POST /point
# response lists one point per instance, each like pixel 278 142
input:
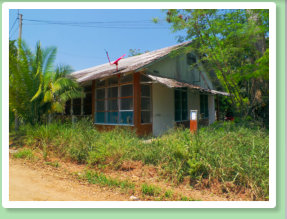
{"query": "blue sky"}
pixel 81 36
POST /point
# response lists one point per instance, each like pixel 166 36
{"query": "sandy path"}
pixel 27 183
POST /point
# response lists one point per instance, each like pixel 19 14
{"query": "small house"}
pixel 150 93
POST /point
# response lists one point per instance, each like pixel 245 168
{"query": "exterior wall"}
pixel 193 100
pixel 177 68
pixel 211 109
pixel 163 109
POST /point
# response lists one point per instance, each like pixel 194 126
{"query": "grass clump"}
pixel 53 164
pixel 168 194
pixel 25 154
pixel 99 178
pixel 150 190
pixel 185 198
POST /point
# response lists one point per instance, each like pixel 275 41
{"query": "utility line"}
pixel 13 24
pixel 88 22
pixel 110 24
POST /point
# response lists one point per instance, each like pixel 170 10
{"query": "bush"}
pixel 25 154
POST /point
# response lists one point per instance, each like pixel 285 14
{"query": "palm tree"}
pixel 36 88
pixel 23 83
pixel 56 88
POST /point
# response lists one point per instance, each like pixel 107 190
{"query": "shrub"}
pixel 25 154
pixel 150 190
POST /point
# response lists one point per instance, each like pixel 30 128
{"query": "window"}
pixel 77 106
pixel 204 106
pixel 100 105
pixel 146 106
pixel 68 107
pixel 87 101
pixel 180 104
pixel 114 101
pixel 190 58
pixel 80 106
pixel 126 104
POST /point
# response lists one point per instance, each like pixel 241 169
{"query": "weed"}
pixel 150 190
pixel 223 152
pixel 53 164
pixel 168 194
pixel 25 153
pixel 100 179
pixel 184 198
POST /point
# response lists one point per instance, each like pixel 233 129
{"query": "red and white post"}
pixel 193 121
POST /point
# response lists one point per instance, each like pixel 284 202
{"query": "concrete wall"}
pixel 176 67
pixel 163 108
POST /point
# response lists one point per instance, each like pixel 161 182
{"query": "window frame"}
pixel 148 82
pixel 181 90
pixel 119 85
pixel 205 106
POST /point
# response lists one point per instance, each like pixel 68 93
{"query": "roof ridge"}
pixel 90 69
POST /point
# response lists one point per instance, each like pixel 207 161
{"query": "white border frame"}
pixel 139 204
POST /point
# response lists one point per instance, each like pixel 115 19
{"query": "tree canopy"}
pixel 36 88
pixel 235 45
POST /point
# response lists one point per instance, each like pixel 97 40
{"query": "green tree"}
pixel 36 89
pixel 234 44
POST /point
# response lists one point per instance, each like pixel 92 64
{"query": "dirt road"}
pixel 33 183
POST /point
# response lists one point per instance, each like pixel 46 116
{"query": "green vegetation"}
pixel 53 164
pixel 99 178
pixel 234 46
pixel 37 89
pixel 24 154
pixel 150 190
pixel 184 198
pixel 168 194
pixel 231 153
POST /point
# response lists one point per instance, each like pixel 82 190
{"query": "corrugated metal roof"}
pixel 174 83
pixel 135 63
pixel 126 65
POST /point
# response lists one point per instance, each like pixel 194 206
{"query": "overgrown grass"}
pixel 150 190
pixel 24 154
pixel 94 177
pixel 223 152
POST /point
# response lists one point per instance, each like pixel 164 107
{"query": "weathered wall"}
pixel 177 68
pixel 163 108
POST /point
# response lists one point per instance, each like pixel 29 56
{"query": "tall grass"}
pixel 225 152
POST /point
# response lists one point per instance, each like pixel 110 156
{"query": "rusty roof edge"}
pixel 184 84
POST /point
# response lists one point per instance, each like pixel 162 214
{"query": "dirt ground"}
pixel 36 181
pixel 28 183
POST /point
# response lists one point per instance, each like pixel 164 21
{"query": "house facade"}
pixel 150 93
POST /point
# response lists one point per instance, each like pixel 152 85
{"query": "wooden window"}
pixel 204 106
pixel 100 105
pixel 87 101
pixel 146 105
pixel 180 104
pixel 126 104
pixel 114 101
